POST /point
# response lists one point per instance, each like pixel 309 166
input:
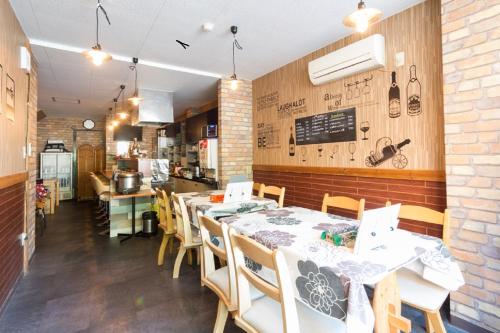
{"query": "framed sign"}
pixel 10 97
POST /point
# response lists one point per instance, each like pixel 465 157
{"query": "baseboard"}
pixel 467 326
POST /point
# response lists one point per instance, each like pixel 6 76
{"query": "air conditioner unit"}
pixel 361 56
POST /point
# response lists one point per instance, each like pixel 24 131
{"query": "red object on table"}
pixel 217 197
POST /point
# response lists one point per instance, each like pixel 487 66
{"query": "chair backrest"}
pixel 165 211
pixel 182 219
pixel 211 228
pixel 273 190
pixel 256 187
pixel 100 187
pixel 428 215
pixel 342 202
pixel 93 182
pixel 242 247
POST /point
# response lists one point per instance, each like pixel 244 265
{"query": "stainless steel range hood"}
pixel 155 109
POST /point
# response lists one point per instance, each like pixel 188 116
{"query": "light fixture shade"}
pixel 234 82
pixel 135 99
pixel 97 55
pixel 115 123
pixel 362 18
pixel 123 115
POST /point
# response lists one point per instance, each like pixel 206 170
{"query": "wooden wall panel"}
pixel 417 33
pixel 12 133
pixel 11 226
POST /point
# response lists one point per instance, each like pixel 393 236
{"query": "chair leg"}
pixel 172 241
pixel 428 324
pixel 178 261
pixel 190 257
pixel 221 319
pixel 161 252
pixel 198 256
pixel 436 321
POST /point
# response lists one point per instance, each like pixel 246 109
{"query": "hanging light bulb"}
pixel 135 99
pixel 96 54
pixel 234 82
pixel 123 115
pixel 234 78
pixel 362 17
pixel 111 127
pixel 115 123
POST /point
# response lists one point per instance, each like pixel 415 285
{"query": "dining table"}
pixel 333 279
pixel 200 202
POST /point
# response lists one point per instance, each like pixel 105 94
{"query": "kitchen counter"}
pixel 184 185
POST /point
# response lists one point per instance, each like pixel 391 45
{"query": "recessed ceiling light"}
pixel 208 26
pixel 65 100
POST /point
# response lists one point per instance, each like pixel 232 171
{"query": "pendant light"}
pixel 362 17
pixel 96 54
pixel 122 114
pixel 113 123
pixel 234 78
pixel 135 99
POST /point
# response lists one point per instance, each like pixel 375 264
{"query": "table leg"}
pixel 128 236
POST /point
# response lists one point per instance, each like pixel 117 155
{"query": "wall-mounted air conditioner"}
pixel 361 56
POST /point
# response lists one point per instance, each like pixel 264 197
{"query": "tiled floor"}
pixel 81 282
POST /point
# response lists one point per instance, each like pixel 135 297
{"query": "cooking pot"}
pixel 128 182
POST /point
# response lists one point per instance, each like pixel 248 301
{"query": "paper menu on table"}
pixel 376 229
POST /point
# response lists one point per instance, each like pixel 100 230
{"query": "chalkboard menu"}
pixel 336 126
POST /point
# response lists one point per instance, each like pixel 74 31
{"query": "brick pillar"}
pixel 235 130
pixel 471 65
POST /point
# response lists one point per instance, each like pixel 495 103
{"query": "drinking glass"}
pixel 348 92
pixel 366 89
pixel 352 149
pixel 356 90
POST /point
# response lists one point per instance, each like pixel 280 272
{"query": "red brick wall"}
pixel 307 190
pixel 11 225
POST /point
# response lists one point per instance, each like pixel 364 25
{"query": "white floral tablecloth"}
pixel 200 201
pixel 331 279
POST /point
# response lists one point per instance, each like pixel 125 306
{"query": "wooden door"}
pixel 100 159
pixel 85 165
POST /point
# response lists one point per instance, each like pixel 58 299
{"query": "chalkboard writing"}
pixel 337 126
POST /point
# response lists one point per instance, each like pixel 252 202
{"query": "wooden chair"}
pixel 256 187
pixel 273 190
pixel 188 237
pixel 278 311
pixel 343 203
pixel 166 224
pixel 221 281
pixel 415 291
pixel 387 307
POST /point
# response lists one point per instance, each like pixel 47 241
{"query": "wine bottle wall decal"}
pixel 291 143
pixel 385 150
pixel 394 98
pixel 414 93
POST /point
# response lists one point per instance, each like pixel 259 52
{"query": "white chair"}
pixel 187 234
pixel 415 291
pixel 278 311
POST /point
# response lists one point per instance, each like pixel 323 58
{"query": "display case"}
pixel 60 166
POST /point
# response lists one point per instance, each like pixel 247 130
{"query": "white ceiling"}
pixel 272 33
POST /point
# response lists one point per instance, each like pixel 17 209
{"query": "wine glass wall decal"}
pixel 320 150
pixel 303 153
pixel 352 149
pixel 335 149
pixel 365 127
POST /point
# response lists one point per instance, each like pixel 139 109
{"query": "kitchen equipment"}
pixel 128 182
pixel 197 172
pixel 60 166
pixel 149 223
pixel 207 152
pixel 209 131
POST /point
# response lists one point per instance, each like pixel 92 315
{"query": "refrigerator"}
pixel 60 166
pixel 207 154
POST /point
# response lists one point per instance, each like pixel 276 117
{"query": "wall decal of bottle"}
pixel 414 93
pixel 291 143
pixel 394 99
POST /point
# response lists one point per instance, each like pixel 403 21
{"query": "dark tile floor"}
pixel 81 282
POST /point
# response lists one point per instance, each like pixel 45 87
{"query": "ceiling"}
pixel 272 33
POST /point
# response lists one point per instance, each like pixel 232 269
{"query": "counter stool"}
pixel 104 197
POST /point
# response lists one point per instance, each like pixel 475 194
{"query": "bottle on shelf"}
pixel 413 91
pixel 394 98
pixel 291 143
